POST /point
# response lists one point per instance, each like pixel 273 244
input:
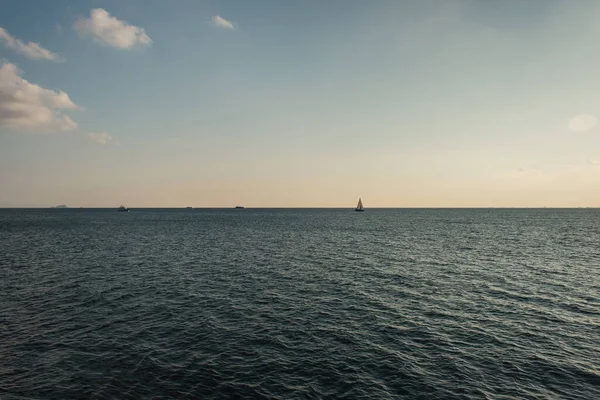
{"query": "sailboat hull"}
pixel 358 209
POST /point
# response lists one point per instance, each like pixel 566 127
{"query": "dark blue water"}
pixel 473 304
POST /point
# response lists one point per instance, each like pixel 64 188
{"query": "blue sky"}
pixel 429 103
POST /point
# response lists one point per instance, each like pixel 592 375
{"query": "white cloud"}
pixel 100 137
pixel 594 162
pixel 109 31
pixel 24 105
pixel 221 22
pixel 583 123
pixel 30 50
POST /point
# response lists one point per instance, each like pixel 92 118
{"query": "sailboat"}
pixel 359 206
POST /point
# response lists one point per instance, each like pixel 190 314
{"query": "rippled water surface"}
pixel 498 304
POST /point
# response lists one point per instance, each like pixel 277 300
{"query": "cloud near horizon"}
pixel 583 123
pixel 100 137
pixel 27 106
pixel 109 31
pixel 31 50
pixel 221 22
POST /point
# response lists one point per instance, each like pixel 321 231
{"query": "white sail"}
pixel 359 206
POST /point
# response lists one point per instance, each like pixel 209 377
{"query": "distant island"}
pixel 61 206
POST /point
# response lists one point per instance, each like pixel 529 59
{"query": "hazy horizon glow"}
pixel 299 104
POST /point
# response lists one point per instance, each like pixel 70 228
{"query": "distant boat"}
pixel 189 208
pixel 61 206
pixel 239 206
pixel 359 206
pixel 123 209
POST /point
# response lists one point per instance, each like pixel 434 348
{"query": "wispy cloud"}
pixel 109 31
pixel 583 123
pixel 30 50
pixel 100 137
pixel 27 106
pixel 221 22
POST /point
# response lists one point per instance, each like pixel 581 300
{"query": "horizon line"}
pixel 289 207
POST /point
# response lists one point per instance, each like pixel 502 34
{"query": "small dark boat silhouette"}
pixel 359 206
pixel 123 209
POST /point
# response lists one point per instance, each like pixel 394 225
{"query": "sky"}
pixel 435 103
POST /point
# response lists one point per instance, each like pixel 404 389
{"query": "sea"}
pixel 300 304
